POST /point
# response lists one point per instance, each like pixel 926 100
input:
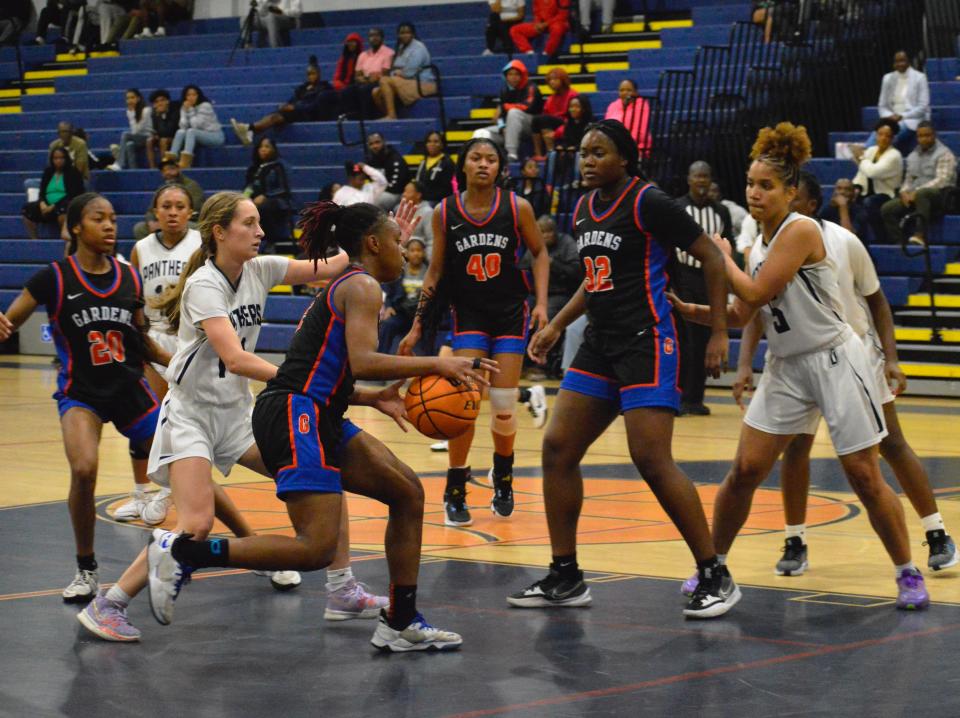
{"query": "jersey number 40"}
pixel 482 267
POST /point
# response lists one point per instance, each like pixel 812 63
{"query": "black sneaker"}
pixel 455 508
pixel 502 502
pixel 554 590
pixel 716 594
pixel 943 551
pixel 794 559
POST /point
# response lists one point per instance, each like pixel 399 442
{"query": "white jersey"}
pixel 856 276
pixel 196 373
pixel 160 269
pixel 807 315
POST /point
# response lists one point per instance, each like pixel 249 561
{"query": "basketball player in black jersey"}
pixel 95 305
pixel 629 363
pixel 313 452
pixel 479 236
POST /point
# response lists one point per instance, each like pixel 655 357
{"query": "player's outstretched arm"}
pixel 799 244
pixel 17 313
pixel 360 299
pixel 235 358
pixel 712 260
pixel 304 271
pixel 738 313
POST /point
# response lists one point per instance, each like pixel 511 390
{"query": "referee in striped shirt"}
pixel 688 283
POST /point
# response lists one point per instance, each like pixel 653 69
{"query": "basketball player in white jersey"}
pixel 217 309
pixel 866 310
pixel 159 258
pixel 817 363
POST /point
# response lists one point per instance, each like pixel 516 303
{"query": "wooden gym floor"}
pixel 826 643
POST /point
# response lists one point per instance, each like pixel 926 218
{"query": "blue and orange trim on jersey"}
pixel 655 266
pixel 309 468
pixel 117 277
pixel 60 343
pixel 492 345
pixel 466 215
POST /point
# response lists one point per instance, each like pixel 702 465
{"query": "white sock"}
pixel 140 490
pixel 796 530
pixel 337 578
pixel 933 522
pixel 118 595
pixel 722 559
pixel 903 567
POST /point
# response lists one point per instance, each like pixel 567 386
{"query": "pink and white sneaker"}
pixel 353 601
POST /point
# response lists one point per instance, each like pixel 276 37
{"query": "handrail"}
pixel 342 134
pixel 438 94
pixel 936 336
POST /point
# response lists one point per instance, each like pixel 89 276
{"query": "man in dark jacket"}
pixel 385 158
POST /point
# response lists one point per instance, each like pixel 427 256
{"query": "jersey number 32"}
pixel 597 272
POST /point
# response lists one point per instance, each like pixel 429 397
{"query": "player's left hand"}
pixel 895 377
pixel 683 308
pixel 718 349
pixel 388 401
pixel 723 245
pixel 404 216
pixel 6 327
pixel 539 317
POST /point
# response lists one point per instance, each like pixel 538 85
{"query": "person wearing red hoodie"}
pixel 520 103
pixel 554 111
pixel 347 63
pixel 549 16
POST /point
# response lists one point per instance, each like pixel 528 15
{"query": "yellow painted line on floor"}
pixel 617 46
pixel 932 371
pixel 953 268
pixel 658 25
pixel 951 301
pixel 919 334
pixel 11 110
pixel 482 113
pixel 53 74
pixel 578 86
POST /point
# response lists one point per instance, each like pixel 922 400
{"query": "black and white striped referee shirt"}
pixel 713 217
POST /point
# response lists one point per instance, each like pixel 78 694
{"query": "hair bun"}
pixel 786 142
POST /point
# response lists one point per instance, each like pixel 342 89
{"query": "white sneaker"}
pixel 418 636
pixel 132 510
pixel 241 130
pixel 537 405
pixel 161 32
pixel 114 167
pixel 282 580
pixel 487 52
pixel 156 507
pixel 440 446
pixel 83 587
pixel 146 32
pixel 166 575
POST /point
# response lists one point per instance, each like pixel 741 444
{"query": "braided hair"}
pixel 621 138
pixel 327 226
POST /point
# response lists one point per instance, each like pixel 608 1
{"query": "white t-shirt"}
pixel 807 315
pixel 856 276
pixel 196 372
pixel 160 269
pixel 347 195
pixel 510 10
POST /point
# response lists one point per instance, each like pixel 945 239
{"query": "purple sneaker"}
pixel 108 620
pixel 353 601
pixel 912 595
pixel 690 585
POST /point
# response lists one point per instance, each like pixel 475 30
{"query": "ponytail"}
pixel 327 226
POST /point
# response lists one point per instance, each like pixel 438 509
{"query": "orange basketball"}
pixel 441 409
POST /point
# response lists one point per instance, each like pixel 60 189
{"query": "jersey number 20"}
pixel 597 273
pixel 482 267
pixel 104 350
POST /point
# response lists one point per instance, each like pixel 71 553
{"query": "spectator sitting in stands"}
pixel 413 193
pixel 76 148
pixel 606 15
pixel 530 186
pixel 345 70
pixel 879 173
pixel 357 189
pixel 401 84
pixel 165 11
pixel 328 191
pixel 554 111
pixel 140 119
pixel 504 14
pixel 402 298
pixel 199 125
pixel 60 183
pixel 312 101
pixel 267 185
pixel 385 158
pixel 905 99
pixel 14 17
pixel 125 23
pixel 579 115
pixel 762 16
pixel 277 18
pixel 436 170
pixel 931 174
pixel 372 64
pixel 634 113
pixel 845 208
pixel 737 213
pixel 170 171
pixel 549 16
pixel 55 12
pixel 520 102
pixel 166 121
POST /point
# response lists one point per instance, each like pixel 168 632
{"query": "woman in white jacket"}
pixel 199 125
pixel 879 174
pixel 139 117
